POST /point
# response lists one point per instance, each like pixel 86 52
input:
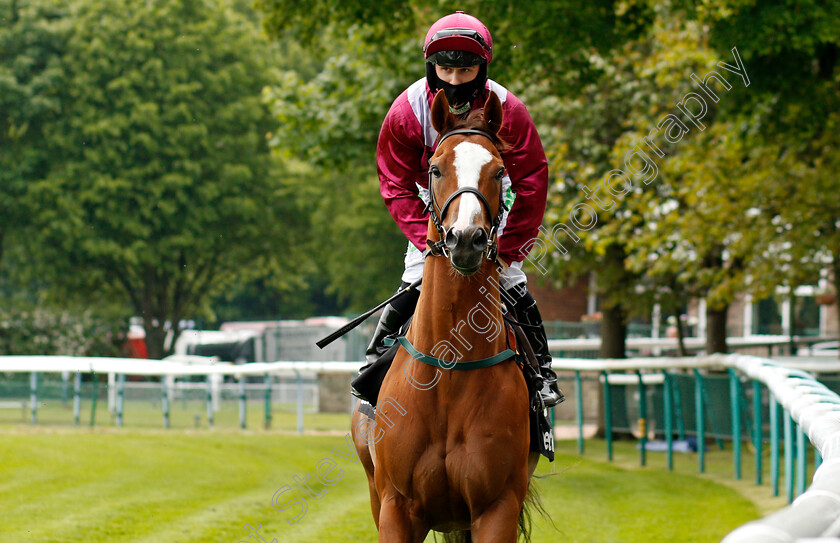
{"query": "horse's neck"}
pixel 458 317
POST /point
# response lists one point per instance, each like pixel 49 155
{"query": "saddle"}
pixel 369 381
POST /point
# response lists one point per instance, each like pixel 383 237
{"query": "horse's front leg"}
pixel 360 441
pixel 398 521
pixel 499 522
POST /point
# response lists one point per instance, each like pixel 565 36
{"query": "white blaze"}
pixel 470 158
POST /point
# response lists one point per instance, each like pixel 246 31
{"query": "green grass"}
pixel 63 484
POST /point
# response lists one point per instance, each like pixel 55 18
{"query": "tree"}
pixel 361 55
pixel 32 35
pixel 162 192
pixel 533 41
pixel 735 210
pixel 612 181
pixel 722 214
pixel 702 228
pixel 590 125
pixel 329 108
pixel 792 109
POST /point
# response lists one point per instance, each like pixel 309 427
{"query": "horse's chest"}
pixel 447 452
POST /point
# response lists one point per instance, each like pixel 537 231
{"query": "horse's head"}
pixel 465 173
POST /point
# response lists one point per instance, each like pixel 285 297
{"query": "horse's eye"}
pixel 434 170
pixel 500 174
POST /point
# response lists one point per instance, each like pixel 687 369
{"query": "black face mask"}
pixel 462 95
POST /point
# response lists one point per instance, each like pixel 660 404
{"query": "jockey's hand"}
pixel 503 266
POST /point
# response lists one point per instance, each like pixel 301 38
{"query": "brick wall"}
pixel 565 304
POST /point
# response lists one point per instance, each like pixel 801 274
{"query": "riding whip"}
pixel 361 318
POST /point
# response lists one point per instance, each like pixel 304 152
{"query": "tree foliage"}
pixel 32 35
pixel 27 329
pixel 598 77
pixel 161 192
pixel 359 57
pixel 168 156
pixel 329 108
pixel 792 114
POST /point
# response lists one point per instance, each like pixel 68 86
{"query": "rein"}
pixel 507 354
pixel 438 214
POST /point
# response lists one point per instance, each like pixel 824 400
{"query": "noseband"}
pixel 438 214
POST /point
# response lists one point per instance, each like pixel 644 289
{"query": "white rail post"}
pixel 299 402
pixel 65 377
pixel 33 396
pixel 112 392
pixel 267 401
pixel 77 398
pixel 242 402
pixel 209 401
pixel 120 398
pixel 164 400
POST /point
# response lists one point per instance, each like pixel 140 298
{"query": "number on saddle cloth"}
pixel 542 433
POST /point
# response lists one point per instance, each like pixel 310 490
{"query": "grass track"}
pixel 61 484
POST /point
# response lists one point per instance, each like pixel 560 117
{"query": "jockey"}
pixel 458 48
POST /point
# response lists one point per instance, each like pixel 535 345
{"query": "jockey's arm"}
pixel 528 170
pixel 399 161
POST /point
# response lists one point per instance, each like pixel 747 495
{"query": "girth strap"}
pixel 507 354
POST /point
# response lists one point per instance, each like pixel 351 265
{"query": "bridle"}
pixel 438 214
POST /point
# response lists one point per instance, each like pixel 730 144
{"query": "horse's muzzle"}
pixel 466 248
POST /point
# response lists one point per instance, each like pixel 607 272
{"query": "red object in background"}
pixel 136 343
pixel 826 298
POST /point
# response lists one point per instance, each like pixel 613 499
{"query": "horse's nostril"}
pixel 479 239
pixel 451 239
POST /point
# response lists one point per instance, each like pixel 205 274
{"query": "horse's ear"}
pixel 493 113
pixel 441 118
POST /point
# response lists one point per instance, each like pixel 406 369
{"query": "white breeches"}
pixel 414 270
pixel 510 278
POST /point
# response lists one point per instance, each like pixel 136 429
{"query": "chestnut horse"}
pixel 451 447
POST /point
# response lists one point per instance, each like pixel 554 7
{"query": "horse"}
pixel 449 449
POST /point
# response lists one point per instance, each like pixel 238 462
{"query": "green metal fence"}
pixel 706 407
pixel 279 401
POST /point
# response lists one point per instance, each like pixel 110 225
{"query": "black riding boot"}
pixel 528 314
pixel 366 385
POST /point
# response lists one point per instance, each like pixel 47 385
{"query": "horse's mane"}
pixel 475 120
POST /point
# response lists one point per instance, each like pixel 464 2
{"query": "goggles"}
pixel 460 32
pixel 455 59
